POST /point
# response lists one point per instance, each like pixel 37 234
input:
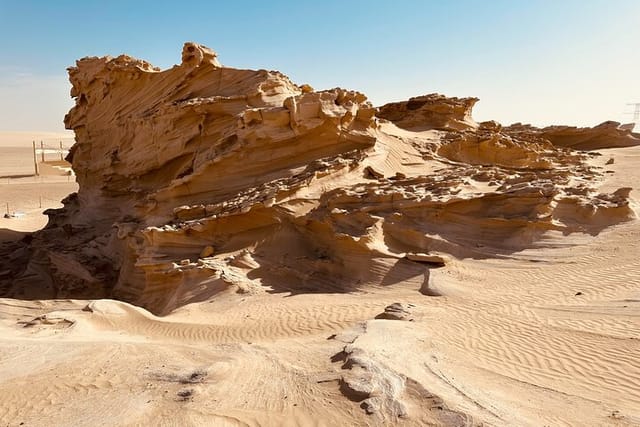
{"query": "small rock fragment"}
pixel 426 258
pixel 305 88
pixel 207 252
pixel 358 387
pixel 244 260
pixel 396 311
pixel 184 395
pixel 371 173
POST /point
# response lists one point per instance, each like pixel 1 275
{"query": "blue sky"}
pixel 536 61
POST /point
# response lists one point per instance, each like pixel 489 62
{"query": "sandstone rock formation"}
pixel 202 179
pixel 606 135
pixel 433 111
pixel 384 393
pixel 396 311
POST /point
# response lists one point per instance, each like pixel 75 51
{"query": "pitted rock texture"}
pixel 202 179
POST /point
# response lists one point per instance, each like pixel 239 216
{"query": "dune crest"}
pixel 203 178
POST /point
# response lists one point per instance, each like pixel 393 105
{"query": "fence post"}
pixel 35 159
pixel 61 152
pixel 42 150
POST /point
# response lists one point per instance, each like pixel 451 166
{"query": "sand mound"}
pixel 202 179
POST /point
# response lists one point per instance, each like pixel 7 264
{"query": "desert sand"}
pixel 243 250
pixel 21 190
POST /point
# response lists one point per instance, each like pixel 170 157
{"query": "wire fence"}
pixel 28 162
pixel 36 179
pixel 49 157
pixel 17 209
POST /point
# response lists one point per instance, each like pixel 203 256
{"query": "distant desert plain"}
pixel 245 251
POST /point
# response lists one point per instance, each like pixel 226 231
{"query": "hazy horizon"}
pixel 574 63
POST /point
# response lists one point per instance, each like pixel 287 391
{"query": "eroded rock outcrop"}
pixel 201 179
pixel 608 134
pixel 382 391
pixel 433 111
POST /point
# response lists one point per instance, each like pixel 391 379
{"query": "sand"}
pixel 20 190
pixel 304 263
pixel 543 337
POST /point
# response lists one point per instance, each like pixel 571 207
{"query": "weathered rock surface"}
pixel 396 311
pixel 609 134
pixel 386 394
pixel 433 111
pixel 428 258
pixel 201 179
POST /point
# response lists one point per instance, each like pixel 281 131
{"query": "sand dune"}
pixel 510 343
pixel 290 258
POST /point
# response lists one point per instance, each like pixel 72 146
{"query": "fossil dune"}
pixel 244 250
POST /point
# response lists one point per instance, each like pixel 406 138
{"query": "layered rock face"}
pixel 159 150
pixel 202 178
pixel 606 135
pixel 433 111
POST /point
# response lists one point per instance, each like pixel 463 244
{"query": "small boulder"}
pixel 207 252
pixel 438 260
pixel 371 173
pixel 244 260
pixel 397 311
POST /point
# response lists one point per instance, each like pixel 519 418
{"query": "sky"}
pixel 537 61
